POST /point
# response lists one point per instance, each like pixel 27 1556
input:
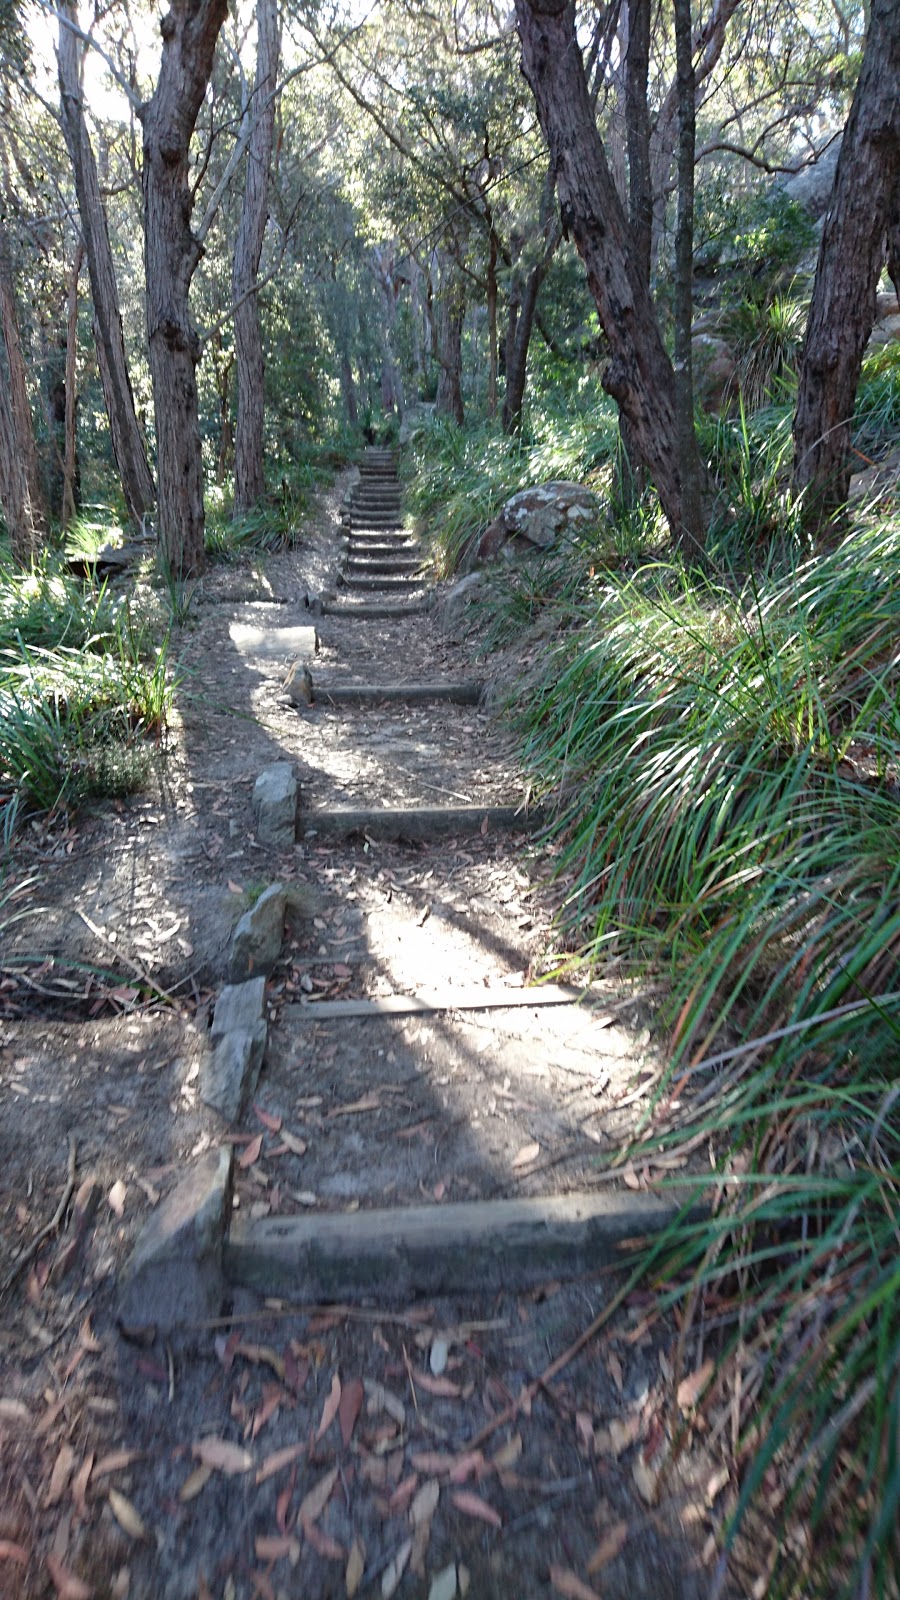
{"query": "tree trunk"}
pixel 692 511
pixel 630 471
pixel 348 390
pixel 171 253
pixel 492 326
pixel 70 459
pixel 391 382
pixel 640 375
pixel 517 349
pixel 452 310
pixel 249 445
pixel 127 439
pixel 851 254
pixel 20 483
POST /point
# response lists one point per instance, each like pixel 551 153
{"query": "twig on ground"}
pixel 32 1249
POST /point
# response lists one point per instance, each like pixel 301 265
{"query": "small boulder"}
pixel 256 941
pixel 539 516
pixel 174 1274
pixel 275 805
pixel 715 369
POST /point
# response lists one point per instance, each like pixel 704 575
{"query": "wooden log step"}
pixel 458 694
pixel 400 1252
pixel 416 822
pixel 373 613
pixel 476 998
pixel 406 581
pixel 382 566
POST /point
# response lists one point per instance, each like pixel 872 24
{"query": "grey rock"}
pixel 275 805
pixel 715 368
pixel 174 1274
pixel 240 1005
pixel 812 187
pixel 451 607
pixel 230 1073
pixel 539 516
pixel 256 941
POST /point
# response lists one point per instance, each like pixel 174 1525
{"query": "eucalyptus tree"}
pixel 859 227
pixel 127 439
pixel 21 494
pixel 259 110
pixel 189 30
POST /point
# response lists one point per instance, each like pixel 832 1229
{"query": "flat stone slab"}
pixel 419 822
pixel 447 999
pixel 174 1274
pixel 240 1005
pixel 439 1249
pixel 273 643
pixel 229 1075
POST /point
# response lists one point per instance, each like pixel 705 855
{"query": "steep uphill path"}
pixel 450 1430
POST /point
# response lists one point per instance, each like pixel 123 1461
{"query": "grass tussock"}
pixel 83 692
pixel 723 749
pixel 728 771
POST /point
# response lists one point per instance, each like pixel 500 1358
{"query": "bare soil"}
pixel 103 1487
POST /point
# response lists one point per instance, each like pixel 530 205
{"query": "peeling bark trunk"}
pixel 492 326
pixel 127 439
pixel 70 461
pixel 640 375
pixel 692 513
pixel 171 253
pixel 20 484
pixel 451 313
pixel 518 345
pixel 851 254
pixel 640 205
pixel 249 447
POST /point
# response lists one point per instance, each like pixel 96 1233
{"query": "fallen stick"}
pixel 32 1249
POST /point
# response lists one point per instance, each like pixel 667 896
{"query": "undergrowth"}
pixel 83 692
pixel 724 748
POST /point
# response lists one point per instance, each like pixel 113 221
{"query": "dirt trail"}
pixel 338 1435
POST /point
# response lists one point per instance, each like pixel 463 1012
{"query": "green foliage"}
pixel 757 232
pixel 82 687
pixel 877 418
pixel 728 766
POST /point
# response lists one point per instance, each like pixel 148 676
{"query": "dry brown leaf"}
pixel 646 1479
pixel 322 1542
pixel 59 1477
pixel 403 1494
pixel 263 1355
pixel 79 1486
pixel 614 1367
pixel 390 1581
pixel 318 1498
pixel 235 888
pixel 508 1453
pixel 716 1484
pixel 527 1154
pixel 116 1461
pixel 195 1482
pixel 611 1545
pixel 330 1408
pixel 369 1102
pixel 621 1433
pixel 584 1428
pixel 67 1586
pixel 293 1143
pixel 421 1541
pixel 279 1458
pixel 349 1408
pixel 356 1566
pixel 10 1551
pixel 250 1152
pixel 268 1119
pixel 470 1465
pixel 116 1198
pixel 474 1506
pixel 127 1516
pixel 425 1503
pixel 13 1410
pixel 275 1546
pixel 444 1388
pixel 222 1455
pixel 568 1584
pixel 691 1388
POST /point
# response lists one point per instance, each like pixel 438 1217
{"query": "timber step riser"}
pixel 375 613
pixel 381 583
pixel 459 694
pixel 418 822
pixel 358 567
